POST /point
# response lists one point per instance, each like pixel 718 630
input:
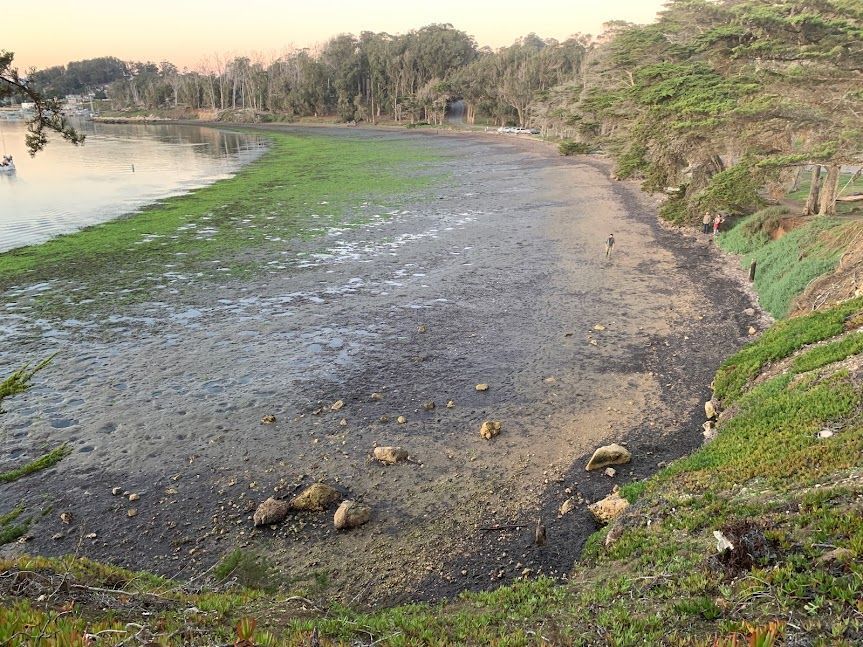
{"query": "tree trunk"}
pixel 814 190
pixel 829 191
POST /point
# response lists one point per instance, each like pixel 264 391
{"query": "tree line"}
pixel 718 102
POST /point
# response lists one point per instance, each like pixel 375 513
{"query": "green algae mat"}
pixel 302 185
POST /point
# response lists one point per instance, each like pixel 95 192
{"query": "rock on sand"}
pixel 271 511
pixel 613 454
pixel 390 455
pixel 351 514
pixel 315 497
pixel 490 429
pixel 608 508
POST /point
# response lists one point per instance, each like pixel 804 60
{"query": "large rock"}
pixel 613 454
pixel 490 429
pixel 315 497
pixel 608 508
pixel 351 514
pixel 390 455
pixel 271 511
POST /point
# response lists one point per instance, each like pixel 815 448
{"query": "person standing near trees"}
pixel 609 245
pixel 716 222
pixel 705 223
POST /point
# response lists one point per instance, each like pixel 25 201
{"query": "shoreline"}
pixel 153 203
pixel 577 412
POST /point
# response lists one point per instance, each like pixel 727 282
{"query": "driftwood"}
pixel 850 198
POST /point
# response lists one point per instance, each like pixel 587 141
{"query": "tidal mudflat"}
pixel 346 263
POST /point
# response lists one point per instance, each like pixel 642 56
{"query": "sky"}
pixel 186 32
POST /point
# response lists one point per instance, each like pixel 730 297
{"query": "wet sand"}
pixel 504 265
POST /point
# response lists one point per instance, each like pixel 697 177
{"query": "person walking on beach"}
pixel 705 222
pixel 609 245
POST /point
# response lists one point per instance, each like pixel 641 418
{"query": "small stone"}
pixel 401 420
pixel 566 506
pixel 57 536
pixel 351 514
pixel 318 411
pixel 315 497
pixel 343 422
pixel 450 404
pixel 132 512
pixel 599 327
pixel 377 397
pixel 608 508
pixel 593 342
pixel 66 517
pixel 422 328
pixel 271 511
pixel 749 312
pixel 390 455
pixel 550 380
pixel 610 472
pixel 268 419
pixel 429 406
pixel 116 491
pixel 613 454
pixel 384 419
pixel 481 387
pixel 338 404
pixel 825 433
pixel 752 331
pixel 134 497
pixel 490 429
pixel 91 535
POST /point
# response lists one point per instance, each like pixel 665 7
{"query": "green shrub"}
pixel 569 147
pixel 674 209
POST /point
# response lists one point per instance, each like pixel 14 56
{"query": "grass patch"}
pixel 20 380
pixel 246 568
pixel 42 463
pixel 9 530
pixel 787 265
pixel 778 342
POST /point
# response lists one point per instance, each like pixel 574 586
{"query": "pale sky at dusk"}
pixel 186 31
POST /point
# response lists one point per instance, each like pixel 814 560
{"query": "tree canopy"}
pixel 48 112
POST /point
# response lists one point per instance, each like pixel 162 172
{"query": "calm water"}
pixel 119 168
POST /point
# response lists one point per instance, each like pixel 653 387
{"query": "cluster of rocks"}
pixel 315 498
pixel 612 505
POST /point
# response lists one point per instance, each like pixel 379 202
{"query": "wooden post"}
pixel 752 271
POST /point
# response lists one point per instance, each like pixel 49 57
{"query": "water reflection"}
pixel 120 168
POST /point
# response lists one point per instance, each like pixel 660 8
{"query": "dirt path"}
pixel 503 266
